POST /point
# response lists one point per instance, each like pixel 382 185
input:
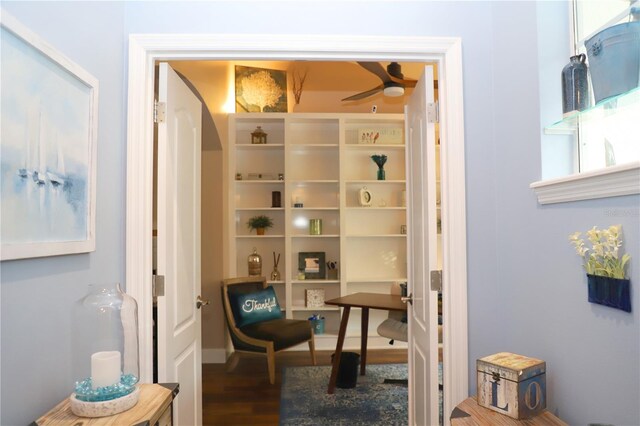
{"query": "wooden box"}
pixel 511 384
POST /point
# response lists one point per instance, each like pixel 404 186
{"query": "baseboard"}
pixel 214 356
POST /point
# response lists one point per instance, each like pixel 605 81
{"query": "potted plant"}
pixel 605 266
pixel 260 223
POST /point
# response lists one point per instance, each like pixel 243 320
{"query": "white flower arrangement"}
pixel 604 257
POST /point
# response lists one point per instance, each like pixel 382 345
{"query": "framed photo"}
pixel 260 90
pixel 48 148
pixel 313 264
pixel 381 136
pixel 314 297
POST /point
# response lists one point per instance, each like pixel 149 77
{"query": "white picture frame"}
pixel 48 148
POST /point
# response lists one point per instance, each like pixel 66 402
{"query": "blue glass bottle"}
pixel 575 85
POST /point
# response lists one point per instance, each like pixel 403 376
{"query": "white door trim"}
pixel 145 49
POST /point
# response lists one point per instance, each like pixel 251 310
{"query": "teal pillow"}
pixel 249 308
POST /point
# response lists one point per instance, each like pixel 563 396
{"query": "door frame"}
pixel 446 52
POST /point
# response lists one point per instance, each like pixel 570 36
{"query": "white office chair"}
pixel 395 326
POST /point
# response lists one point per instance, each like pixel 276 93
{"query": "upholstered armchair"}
pixel 256 323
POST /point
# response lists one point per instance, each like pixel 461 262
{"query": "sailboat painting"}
pixel 47 148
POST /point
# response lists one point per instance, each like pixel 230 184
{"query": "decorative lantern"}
pixel 105 352
pixel 258 136
pixel 255 263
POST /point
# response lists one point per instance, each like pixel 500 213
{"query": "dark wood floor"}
pixel 239 393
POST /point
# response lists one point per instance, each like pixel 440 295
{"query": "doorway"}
pixel 446 52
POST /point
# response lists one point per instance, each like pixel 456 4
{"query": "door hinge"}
pixel 436 280
pixel 157 285
pixel 159 112
pixel 433 112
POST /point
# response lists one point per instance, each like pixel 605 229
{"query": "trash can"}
pixel 347 370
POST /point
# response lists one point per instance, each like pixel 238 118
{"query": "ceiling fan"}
pixel 393 82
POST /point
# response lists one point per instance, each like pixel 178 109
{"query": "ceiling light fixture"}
pixel 394 90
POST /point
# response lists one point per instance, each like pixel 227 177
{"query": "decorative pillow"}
pixel 250 308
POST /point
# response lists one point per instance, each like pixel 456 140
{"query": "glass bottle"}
pixel 575 85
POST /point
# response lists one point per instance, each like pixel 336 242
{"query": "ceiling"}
pixel 326 83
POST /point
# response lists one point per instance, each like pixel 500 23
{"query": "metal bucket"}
pixel 614 60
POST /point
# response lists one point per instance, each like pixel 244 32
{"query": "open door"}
pixel 422 254
pixel 178 197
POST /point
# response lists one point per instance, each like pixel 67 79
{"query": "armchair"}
pixel 256 324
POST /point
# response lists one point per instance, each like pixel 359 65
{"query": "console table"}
pixel 469 413
pixel 153 408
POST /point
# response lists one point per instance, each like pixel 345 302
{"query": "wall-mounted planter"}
pixel 612 292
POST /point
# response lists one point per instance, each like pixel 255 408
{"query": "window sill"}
pixel 610 182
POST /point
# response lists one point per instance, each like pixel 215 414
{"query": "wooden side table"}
pixel 153 408
pixel 469 413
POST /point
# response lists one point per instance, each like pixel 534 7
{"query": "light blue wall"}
pixel 526 287
pixel 37 294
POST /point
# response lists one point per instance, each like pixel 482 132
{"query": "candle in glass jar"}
pixel 105 369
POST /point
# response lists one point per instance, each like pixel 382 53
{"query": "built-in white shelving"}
pixel 316 160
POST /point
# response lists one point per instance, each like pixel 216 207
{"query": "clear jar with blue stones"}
pixel 105 345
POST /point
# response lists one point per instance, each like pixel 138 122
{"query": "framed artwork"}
pixel 313 264
pixel 260 90
pixel 48 148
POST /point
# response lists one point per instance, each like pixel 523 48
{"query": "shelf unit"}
pixel 625 106
pixel 316 160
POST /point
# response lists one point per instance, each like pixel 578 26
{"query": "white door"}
pixel 422 255
pixel 178 196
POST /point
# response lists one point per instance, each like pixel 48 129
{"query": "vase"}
pixel 608 291
pixel 275 274
pixel 575 85
pixel 380 160
pixel 254 262
pixel 260 231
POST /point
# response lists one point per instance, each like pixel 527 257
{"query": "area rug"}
pixel 304 399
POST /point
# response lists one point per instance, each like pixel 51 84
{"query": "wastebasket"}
pixel 347 370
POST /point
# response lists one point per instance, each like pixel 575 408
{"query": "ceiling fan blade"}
pixel 410 83
pixel 366 94
pixel 404 82
pixel 377 69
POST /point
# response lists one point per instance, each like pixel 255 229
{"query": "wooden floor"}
pixel 240 394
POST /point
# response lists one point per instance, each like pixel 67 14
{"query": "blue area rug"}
pixel 304 399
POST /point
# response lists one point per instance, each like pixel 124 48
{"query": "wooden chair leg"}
pixel 232 362
pixel 271 364
pixel 312 349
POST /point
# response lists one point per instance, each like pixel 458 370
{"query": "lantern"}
pixel 258 136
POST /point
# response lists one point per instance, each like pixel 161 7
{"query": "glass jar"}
pixel 105 349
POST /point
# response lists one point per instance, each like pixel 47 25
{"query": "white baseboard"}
pixel 214 356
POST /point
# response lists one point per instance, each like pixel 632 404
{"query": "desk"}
pixel 469 413
pixel 366 301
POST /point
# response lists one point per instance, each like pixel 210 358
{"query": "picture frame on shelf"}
pixel 313 264
pixel 314 298
pixel 381 136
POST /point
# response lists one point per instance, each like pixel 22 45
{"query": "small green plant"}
pixel 604 258
pixel 260 222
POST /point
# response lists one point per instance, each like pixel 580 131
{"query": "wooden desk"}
pixel 366 301
pixel 469 413
pixel 153 408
